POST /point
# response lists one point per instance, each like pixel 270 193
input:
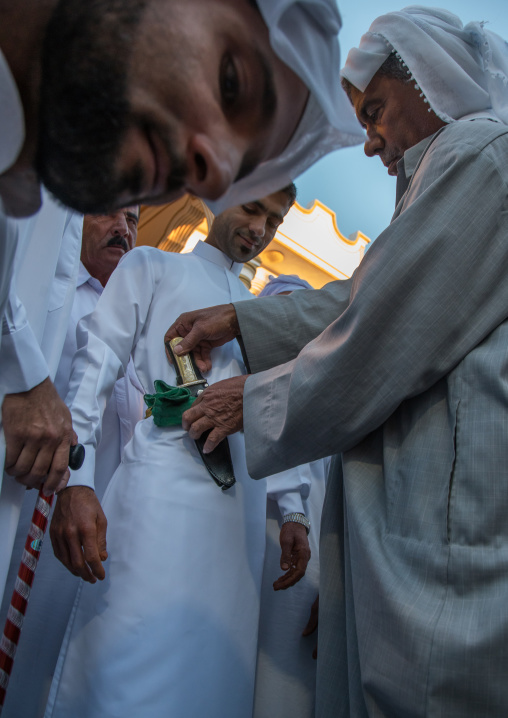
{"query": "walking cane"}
pixel 25 577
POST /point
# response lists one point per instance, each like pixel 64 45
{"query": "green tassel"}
pixel 168 403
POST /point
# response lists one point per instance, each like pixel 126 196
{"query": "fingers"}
pixel 18 460
pixel 203 359
pixel 91 556
pixel 61 551
pixel 38 432
pixel 194 415
pixel 78 533
pixel 213 439
pixel 58 471
pixel 288 579
pixel 219 408
pixel 312 623
pixel 295 555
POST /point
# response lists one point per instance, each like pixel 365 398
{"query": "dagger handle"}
pixel 187 372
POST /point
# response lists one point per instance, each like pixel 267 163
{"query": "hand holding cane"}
pixel 25 577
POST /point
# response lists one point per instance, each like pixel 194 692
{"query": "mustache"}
pixel 118 242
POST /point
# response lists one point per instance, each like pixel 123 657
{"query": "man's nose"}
pixel 211 166
pixel 120 226
pixel 374 143
pixel 257 226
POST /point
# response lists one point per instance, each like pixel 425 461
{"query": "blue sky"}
pixel 359 189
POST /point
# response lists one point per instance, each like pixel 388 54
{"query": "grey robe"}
pixel 410 384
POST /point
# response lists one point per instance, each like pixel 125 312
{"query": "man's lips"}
pixel 391 164
pixel 251 243
pixel 118 243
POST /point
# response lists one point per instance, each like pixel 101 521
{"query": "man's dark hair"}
pixel 291 192
pixel 84 99
pixel 393 67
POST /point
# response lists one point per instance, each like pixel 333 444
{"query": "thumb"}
pixel 285 556
pixel 188 343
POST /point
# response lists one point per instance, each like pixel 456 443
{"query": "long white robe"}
pixel 286 671
pixel 172 630
pixel 34 325
pixel 55 588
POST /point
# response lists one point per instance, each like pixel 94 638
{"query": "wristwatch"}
pixel 297 518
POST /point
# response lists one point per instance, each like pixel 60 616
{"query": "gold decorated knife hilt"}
pixel 187 373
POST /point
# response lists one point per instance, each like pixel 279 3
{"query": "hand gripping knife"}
pixel 218 462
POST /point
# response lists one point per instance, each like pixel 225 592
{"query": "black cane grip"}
pixel 76 457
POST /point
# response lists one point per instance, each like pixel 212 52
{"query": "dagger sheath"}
pixel 218 462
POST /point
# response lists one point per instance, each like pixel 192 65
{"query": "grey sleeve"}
pixel 275 329
pixel 431 288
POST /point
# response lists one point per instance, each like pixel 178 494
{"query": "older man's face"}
pixel 145 105
pixel 106 238
pixel 395 118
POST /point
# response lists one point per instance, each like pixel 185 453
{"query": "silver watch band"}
pixel 297 518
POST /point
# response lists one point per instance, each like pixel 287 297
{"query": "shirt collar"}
pixel 84 277
pixel 12 120
pixel 413 154
pixel 214 255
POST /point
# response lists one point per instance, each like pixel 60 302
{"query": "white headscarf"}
pixel 461 71
pixel 304 34
pixel 284 283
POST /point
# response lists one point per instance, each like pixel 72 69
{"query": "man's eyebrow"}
pixel 132 215
pixel 263 208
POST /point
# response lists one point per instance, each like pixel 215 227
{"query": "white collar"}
pixel 84 277
pixel 12 119
pixel 214 255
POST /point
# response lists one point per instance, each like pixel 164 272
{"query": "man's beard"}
pixel 84 109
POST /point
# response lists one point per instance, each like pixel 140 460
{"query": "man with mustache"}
pixel 114 103
pixel 401 372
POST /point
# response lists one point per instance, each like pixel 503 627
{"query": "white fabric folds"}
pixel 462 70
pixel 304 34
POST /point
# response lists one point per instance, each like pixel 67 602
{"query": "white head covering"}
pixel 304 34
pixel 284 283
pixel 461 71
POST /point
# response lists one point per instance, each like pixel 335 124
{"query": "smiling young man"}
pixel 405 384
pixel 179 604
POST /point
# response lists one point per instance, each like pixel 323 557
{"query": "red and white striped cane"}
pixel 25 578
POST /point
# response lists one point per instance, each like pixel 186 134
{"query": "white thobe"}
pixel 286 671
pixel 12 137
pixel 49 611
pixel 125 406
pixel 34 325
pixel 172 630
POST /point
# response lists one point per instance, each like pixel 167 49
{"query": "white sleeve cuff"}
pixel 85 476
pixel 290 502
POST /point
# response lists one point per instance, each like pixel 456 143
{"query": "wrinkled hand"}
pixel 203 330
pixel 220 408
pixel 295 554
pixel 38 434
pixel 78 533
pixel 312 623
